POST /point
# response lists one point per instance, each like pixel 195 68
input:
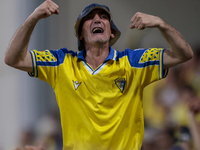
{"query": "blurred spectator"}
pixel 149 142
pixel 29 147
pixel 193 102
pixel 195 130
pixel 168 108
pixel 27 137
pixel 47 130
pixel 165 139
pixel 183 139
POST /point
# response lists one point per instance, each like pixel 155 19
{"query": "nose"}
pixel 97 18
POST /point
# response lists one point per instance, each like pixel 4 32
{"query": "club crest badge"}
pixel 120 82
pixel 76 84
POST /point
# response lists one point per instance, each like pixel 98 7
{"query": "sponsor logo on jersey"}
pixel 76 84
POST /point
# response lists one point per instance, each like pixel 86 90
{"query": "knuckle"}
pixel 138 13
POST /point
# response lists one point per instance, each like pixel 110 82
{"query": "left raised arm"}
pixel 179 50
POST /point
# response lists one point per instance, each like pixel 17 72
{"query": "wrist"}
pixel 161 24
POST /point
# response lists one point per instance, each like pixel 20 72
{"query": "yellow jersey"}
pixel 100 109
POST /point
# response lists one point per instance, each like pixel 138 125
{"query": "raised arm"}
pixel 16 54
pixel 194 109
pixel 179 50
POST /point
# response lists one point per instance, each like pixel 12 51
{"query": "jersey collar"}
pixel 112 55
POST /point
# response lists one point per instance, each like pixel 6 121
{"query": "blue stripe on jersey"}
pixel 59 55
pixel 35 71
pixel 134 57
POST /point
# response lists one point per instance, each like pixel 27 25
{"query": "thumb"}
pixel 132 26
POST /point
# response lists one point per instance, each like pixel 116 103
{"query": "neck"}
pixel 96 55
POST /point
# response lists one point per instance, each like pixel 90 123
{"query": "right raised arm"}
pixel 16 54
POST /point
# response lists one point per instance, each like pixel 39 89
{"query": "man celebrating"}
pixel 98 89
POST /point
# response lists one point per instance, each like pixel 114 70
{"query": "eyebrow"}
pixel 100 12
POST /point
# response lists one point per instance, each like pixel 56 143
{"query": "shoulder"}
pixel 52 57
pixel 140 57
pixel 63 51
pixel 130 53
pixel 56 53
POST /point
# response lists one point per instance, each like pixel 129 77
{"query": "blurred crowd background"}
pixel 29 113
pixel 169 119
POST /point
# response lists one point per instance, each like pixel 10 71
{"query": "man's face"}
pixel 96 28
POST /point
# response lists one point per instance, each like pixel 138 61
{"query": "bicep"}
pixel 25 64
pixel 169 60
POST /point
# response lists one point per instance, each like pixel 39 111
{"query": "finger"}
pixel 132 26
pixel 53 7
pixel 136 24
pixel 136 17
pixel 47 13
pixel 134 20
pixel 53 11
pixel 57 12
pixel 140 25
pixel 54 4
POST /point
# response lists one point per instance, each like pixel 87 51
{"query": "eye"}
pixel 104 16
pixel 88 17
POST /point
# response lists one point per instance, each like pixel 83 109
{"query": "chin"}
pixel 101 40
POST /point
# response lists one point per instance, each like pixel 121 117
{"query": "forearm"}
pixel 195 130
pixel 16 54
pixel 17 48
pixel 179 51
pixel 179 48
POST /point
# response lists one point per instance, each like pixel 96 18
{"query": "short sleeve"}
pixel 46 64
pixel 149 64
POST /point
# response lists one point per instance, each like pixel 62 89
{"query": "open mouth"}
pixel 97 30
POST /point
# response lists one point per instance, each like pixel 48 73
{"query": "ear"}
pixel 80 37
pixel 112 35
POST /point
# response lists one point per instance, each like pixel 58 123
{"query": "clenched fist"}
pixel 142 21
pixel 46 9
